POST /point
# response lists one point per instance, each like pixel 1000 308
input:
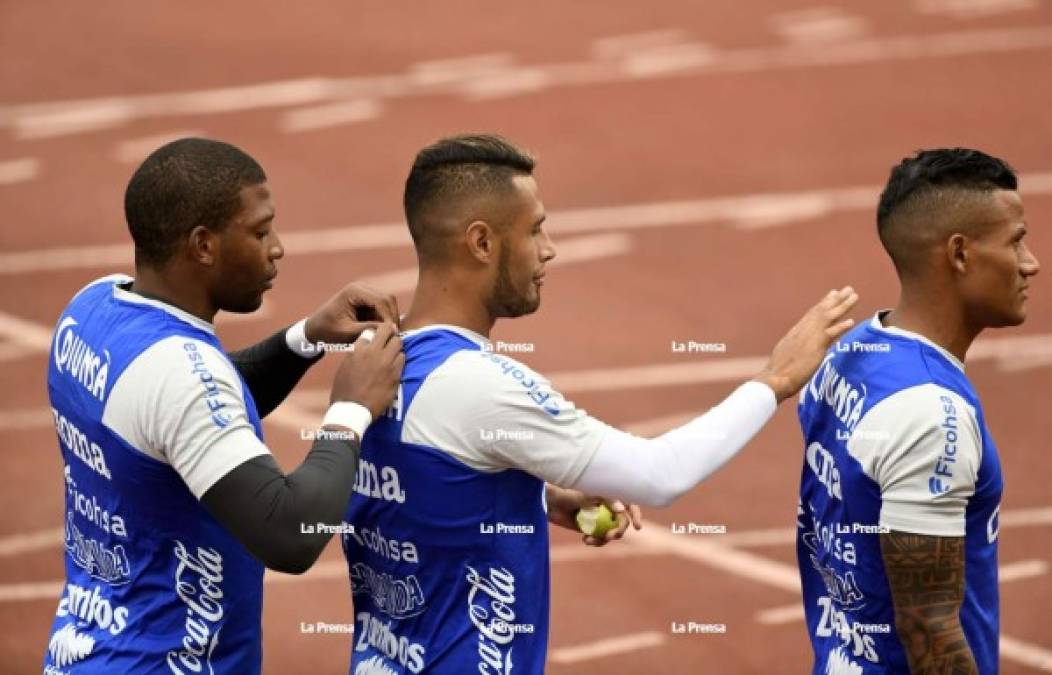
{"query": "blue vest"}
pixel 847 599
pixel 153 583
pixel 448 565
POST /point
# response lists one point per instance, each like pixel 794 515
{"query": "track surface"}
pixel 696 109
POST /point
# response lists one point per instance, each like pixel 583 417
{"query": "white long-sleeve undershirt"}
pixel 656 471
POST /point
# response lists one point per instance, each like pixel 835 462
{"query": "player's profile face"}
pixel 1002 264
pixel 249 247
pixel 525 252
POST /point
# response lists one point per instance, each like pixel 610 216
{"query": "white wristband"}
pixel 354 416
pixel 296 339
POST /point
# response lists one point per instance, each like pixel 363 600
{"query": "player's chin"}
pixel 1014 317
pixel 244 305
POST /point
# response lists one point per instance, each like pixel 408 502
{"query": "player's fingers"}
pixel 843 306
pixel 385 305
pixel 636 515
pixel 622 524
pixel 828 300
pixel 367 334
pixel 836 330
pixel 589 540
pixel 385 333
pixel 392 304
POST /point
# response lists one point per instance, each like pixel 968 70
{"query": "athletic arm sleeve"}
pixel 922 446
pixel 276 516
pixel 273 367
pixel 493 413
pixel 654 472
pixel 180 402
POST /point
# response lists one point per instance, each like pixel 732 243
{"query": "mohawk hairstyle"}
pixel 925 195
pixel 457 167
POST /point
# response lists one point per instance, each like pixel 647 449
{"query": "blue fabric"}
pixel 437 586
pixel 153 583
pixel 850 617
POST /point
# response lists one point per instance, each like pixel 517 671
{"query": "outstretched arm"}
pixel 656 471
pixel 926 575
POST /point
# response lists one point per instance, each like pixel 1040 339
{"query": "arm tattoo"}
pixel 926 575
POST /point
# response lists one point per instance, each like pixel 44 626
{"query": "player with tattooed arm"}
pixel 901 487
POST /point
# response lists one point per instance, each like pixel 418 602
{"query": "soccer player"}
pixel 173 503
pixel 901 486
pixel 449 555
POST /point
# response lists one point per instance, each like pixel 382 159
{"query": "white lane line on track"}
pixel 618 46
pixel 819 25
pixel 776 616
pixel 606 647
pixel 23 333
pixel 571 251
pixel 20 338
pixel 1026 517
pixel 746 211
pixel 707 550
pixel 20 419
pixel 670 55
pixel 26 592
pixel 17 544
pixel 134 150
pixel 971 9
pixel 1023 569
pixel 19 170
pixel 1019 350
pixel 1026 653
pixel 330 115
pixel 27 337
pixel 654 539
pixel 329 570
pixel 447 71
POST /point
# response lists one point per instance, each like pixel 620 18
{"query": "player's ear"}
pixel 203 245
pixel 481 241
pixel 957 252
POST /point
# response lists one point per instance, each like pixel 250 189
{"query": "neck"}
pixel 445 296
pixel 943 323
pixel 176 289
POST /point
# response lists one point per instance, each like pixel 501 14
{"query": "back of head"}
pixel 930 196
pixel 186 183
pixel 448 177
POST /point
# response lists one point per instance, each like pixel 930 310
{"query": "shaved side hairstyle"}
pixel 186 183
pixel 450 171
pixel 931 196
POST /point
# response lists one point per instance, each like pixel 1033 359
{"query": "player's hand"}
pixel 797 355
pixel 563 505
pixel 345 315
pixel 369 375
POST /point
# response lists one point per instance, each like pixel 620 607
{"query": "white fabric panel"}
pixel 493 413
pixel 922 446
pixel 181 402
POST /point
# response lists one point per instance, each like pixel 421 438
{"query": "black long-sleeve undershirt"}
pixel 267 510
pixel 271 370
pixel 274 515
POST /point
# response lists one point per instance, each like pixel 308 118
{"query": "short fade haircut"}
pixel 925 193
pixel 455 167
pixel 183 184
